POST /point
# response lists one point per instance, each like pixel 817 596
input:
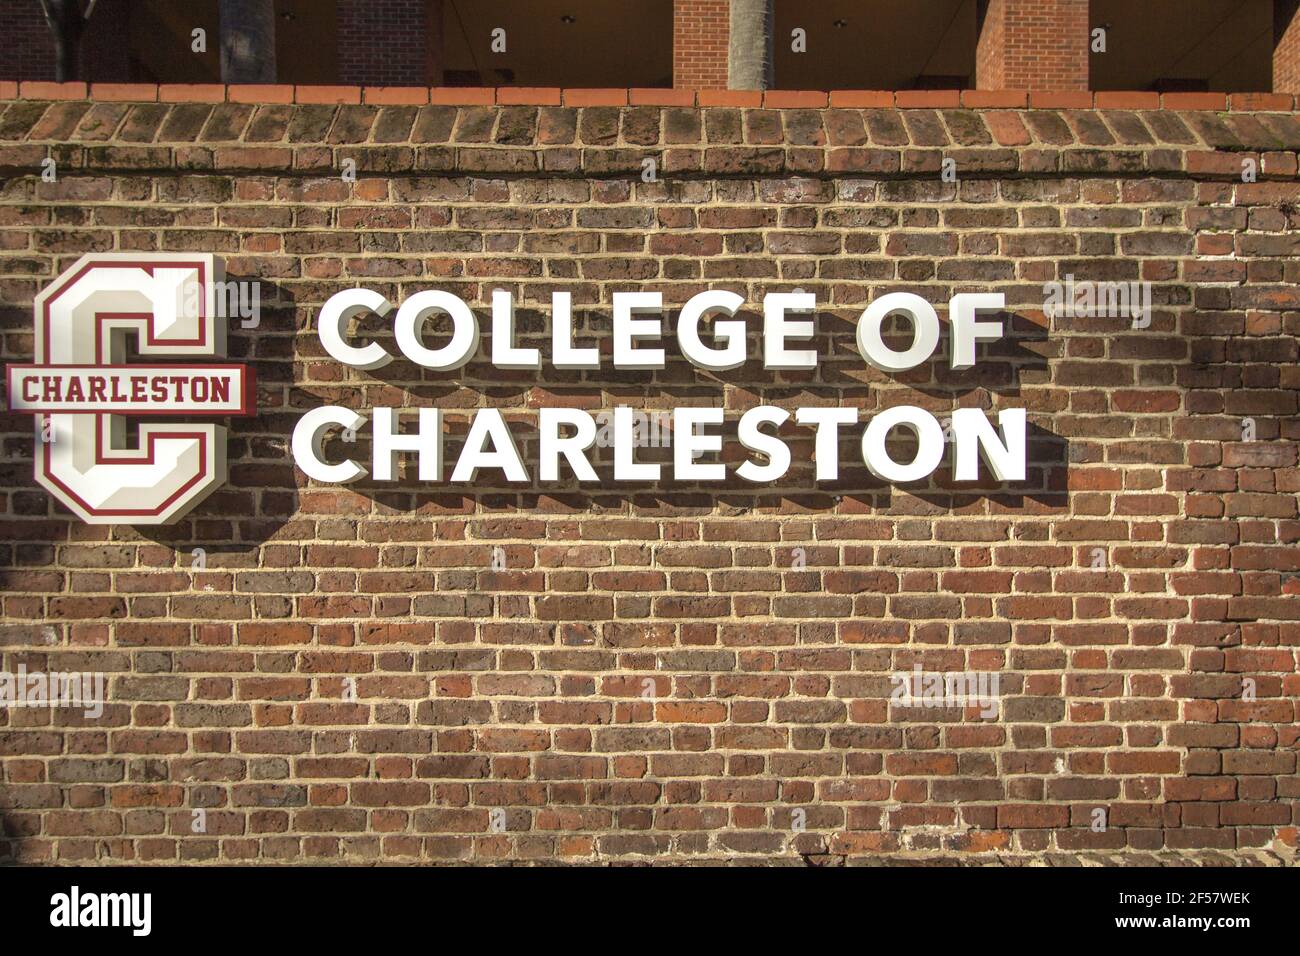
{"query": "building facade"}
pixel 1227 46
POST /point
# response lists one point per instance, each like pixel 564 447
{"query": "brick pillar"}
pixel 27 48
pixel 390 42
pixel 1286 46
pixel 1032 45
pixel 700 37
pixel 25 45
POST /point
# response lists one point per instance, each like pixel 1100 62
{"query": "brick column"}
pixel 25 44
pixel 390 42
pixel 700 36
pixel 27 48
pixel 1286 46
pixel 1032 45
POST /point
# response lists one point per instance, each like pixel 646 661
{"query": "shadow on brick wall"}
pixel 22 796
pixel 8 841
pixel 259 496
pixel 8 829
pixel 47 746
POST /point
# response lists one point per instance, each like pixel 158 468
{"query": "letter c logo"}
pixel 167 303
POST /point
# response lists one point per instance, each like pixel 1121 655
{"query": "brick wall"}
pixel 522 689
pixel 25 45
pixel 1033 45
pixel 700 37
pixel 387 42
pixel 1286 46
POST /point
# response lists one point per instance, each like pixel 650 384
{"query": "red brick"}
pixel 259 93
pixel 927 99
pixel 1126 101
pixel 794 99
pixel 396 95
pixel 191 93
pixel 36 90
pixel 701 31
pixel 124 92
pixel 327 94
pixel 528 96
pixel 1215 163
pixel 1008 129
pixel 1194 101
pixel 462 96
pixel 658 97
pixel 1060 100
pixel 994 99
pixel 1286 49
pixel 862 99
pixel 593 97
pixel 1264 102
pixel 742 98
pixel 1033 45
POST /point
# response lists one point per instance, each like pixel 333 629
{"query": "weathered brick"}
pixel 665 671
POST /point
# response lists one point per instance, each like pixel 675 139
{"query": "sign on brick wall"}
pixel 1071 634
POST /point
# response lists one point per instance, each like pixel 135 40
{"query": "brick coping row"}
pixel 554 96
